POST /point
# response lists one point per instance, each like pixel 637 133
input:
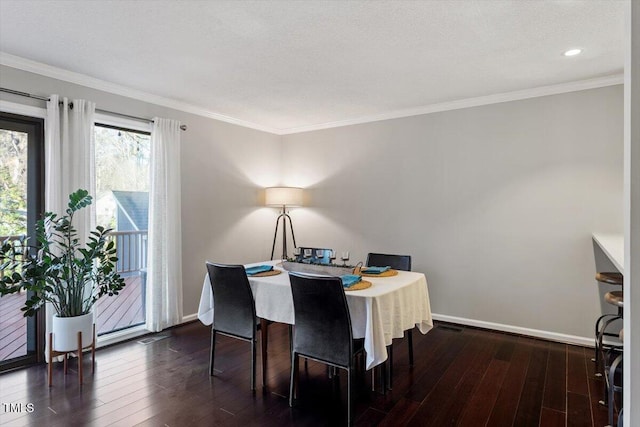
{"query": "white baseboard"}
pixel 123 335
pixel 537 333
pixel 133 332
pixel 189 317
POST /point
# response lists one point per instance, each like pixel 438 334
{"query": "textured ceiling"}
pixel 290 64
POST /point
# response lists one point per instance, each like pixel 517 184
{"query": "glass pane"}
pixel 13 224
pixel 122 185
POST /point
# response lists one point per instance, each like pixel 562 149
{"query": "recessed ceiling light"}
pixel 573 52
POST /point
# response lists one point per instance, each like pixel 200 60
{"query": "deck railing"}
pixel 131 247
pixel 20 244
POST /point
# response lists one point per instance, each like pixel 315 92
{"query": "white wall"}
pixel 496 204
pixel 224 167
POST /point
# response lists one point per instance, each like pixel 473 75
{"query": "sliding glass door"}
pixel 21 204
pixel 122 192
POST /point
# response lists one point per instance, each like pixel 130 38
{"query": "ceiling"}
pixel 293 65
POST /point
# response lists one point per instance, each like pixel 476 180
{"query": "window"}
pixel 21 204
pixel 122 193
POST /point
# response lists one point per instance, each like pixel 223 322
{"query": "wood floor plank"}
pixel 451 413
pixel 555 389
pixel 443 392
pixel 530 405
pixel 505 350
pixel 578 410
pixel 552 418
pixel 450 406
pixel 421 389
pixel 401 413
pixel 374 417
pixel 427 349
pixel 599 413
pixel 485 395
pixel 576 371
pixel 504 410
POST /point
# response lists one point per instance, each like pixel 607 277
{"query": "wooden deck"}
pixel 13 327
pixel 122 310
pixel 117 312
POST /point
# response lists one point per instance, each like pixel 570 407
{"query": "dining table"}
pixel 380 313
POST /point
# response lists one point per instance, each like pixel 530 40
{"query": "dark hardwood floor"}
pixel 462 376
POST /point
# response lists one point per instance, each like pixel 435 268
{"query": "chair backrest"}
pixel 234 309
pixel 322 322
pixel 397 262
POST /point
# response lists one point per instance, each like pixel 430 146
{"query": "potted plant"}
pixel 61 270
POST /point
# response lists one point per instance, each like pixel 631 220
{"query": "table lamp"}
pixel 283 197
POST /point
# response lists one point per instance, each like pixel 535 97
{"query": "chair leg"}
pixel 93 351
pixel 410 343
pixel 612 387
pixel 253 364
pixel 598 343
pixel 603 331
pixel 350 396
pixel 213 349
pixel 383 376
pixel 293 379
pixel 596 334
pixel 50 367
pixel 306 361
pixel 264 334
pixel 620 417
pixel 389 369
pixel 80 357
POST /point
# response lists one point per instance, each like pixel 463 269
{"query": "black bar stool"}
pixel 613 298
pixel 613 370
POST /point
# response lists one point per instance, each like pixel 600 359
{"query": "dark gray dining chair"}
pixel 396 262
pixel 322 329
pixel 234 312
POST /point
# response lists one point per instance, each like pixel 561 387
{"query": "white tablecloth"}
pixel 378 314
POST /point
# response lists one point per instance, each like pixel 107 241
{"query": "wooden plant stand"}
pixel 53 353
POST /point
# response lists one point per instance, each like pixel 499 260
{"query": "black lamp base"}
pixel 284 216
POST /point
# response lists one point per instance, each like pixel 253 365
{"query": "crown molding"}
pixel 28 65
pixel 94 83
pixel 469 102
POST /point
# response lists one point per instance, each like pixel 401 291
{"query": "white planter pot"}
pixel 65 332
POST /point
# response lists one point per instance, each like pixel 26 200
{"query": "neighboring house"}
pixel 131 212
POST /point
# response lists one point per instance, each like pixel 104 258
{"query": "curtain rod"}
pixel 45 98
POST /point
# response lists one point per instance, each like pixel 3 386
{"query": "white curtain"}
pixel 164 277
pixel 69 163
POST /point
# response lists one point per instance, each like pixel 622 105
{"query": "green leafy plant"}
pixel 60 269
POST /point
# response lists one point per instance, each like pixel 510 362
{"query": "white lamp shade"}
pixel 283 196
